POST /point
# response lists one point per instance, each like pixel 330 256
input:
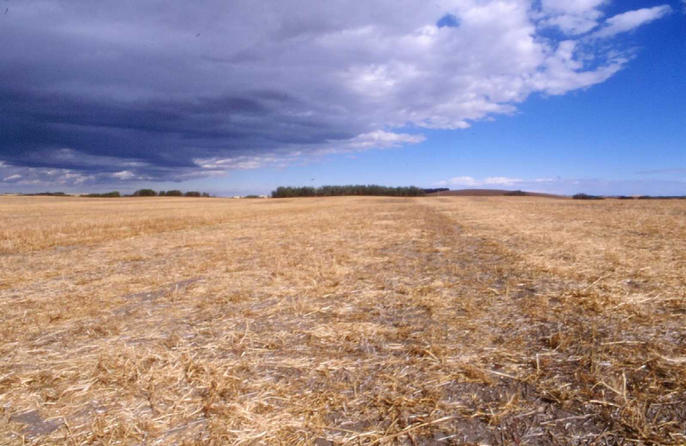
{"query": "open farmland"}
pixel 348 320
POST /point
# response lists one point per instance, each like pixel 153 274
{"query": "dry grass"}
pixel 444 320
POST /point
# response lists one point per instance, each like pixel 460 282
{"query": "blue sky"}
pixel 550 96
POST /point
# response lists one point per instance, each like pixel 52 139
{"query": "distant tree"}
pixel 435 189
pixel 586 197
pixel 113 194
pixel 174 193
pixel 145 193
pixel 47 194
pixel 192 193
pixel 358 189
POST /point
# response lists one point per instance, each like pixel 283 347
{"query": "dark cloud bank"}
pixel 111 91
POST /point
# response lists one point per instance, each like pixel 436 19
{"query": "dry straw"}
pixel 443 320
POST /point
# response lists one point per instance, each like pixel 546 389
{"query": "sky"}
pixel 238 97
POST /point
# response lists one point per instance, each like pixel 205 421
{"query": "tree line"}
pixel 150 193
pixel 353 189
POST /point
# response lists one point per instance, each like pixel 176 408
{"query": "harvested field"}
pixel 347 320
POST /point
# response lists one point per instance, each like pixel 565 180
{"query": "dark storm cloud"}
pixel 158 133
pixel 131 82
pixel 167 90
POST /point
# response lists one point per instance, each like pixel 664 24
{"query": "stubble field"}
pixel 347 320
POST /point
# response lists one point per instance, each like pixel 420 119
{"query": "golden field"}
pixel 345 320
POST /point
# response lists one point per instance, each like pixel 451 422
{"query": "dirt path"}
pixel 603 367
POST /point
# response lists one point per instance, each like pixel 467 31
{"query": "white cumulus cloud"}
pixel 630 20
pixel 468 181
pixel 572 17
pixel 123 175
pixel 381 140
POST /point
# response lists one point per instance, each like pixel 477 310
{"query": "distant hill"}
pixel 492 193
